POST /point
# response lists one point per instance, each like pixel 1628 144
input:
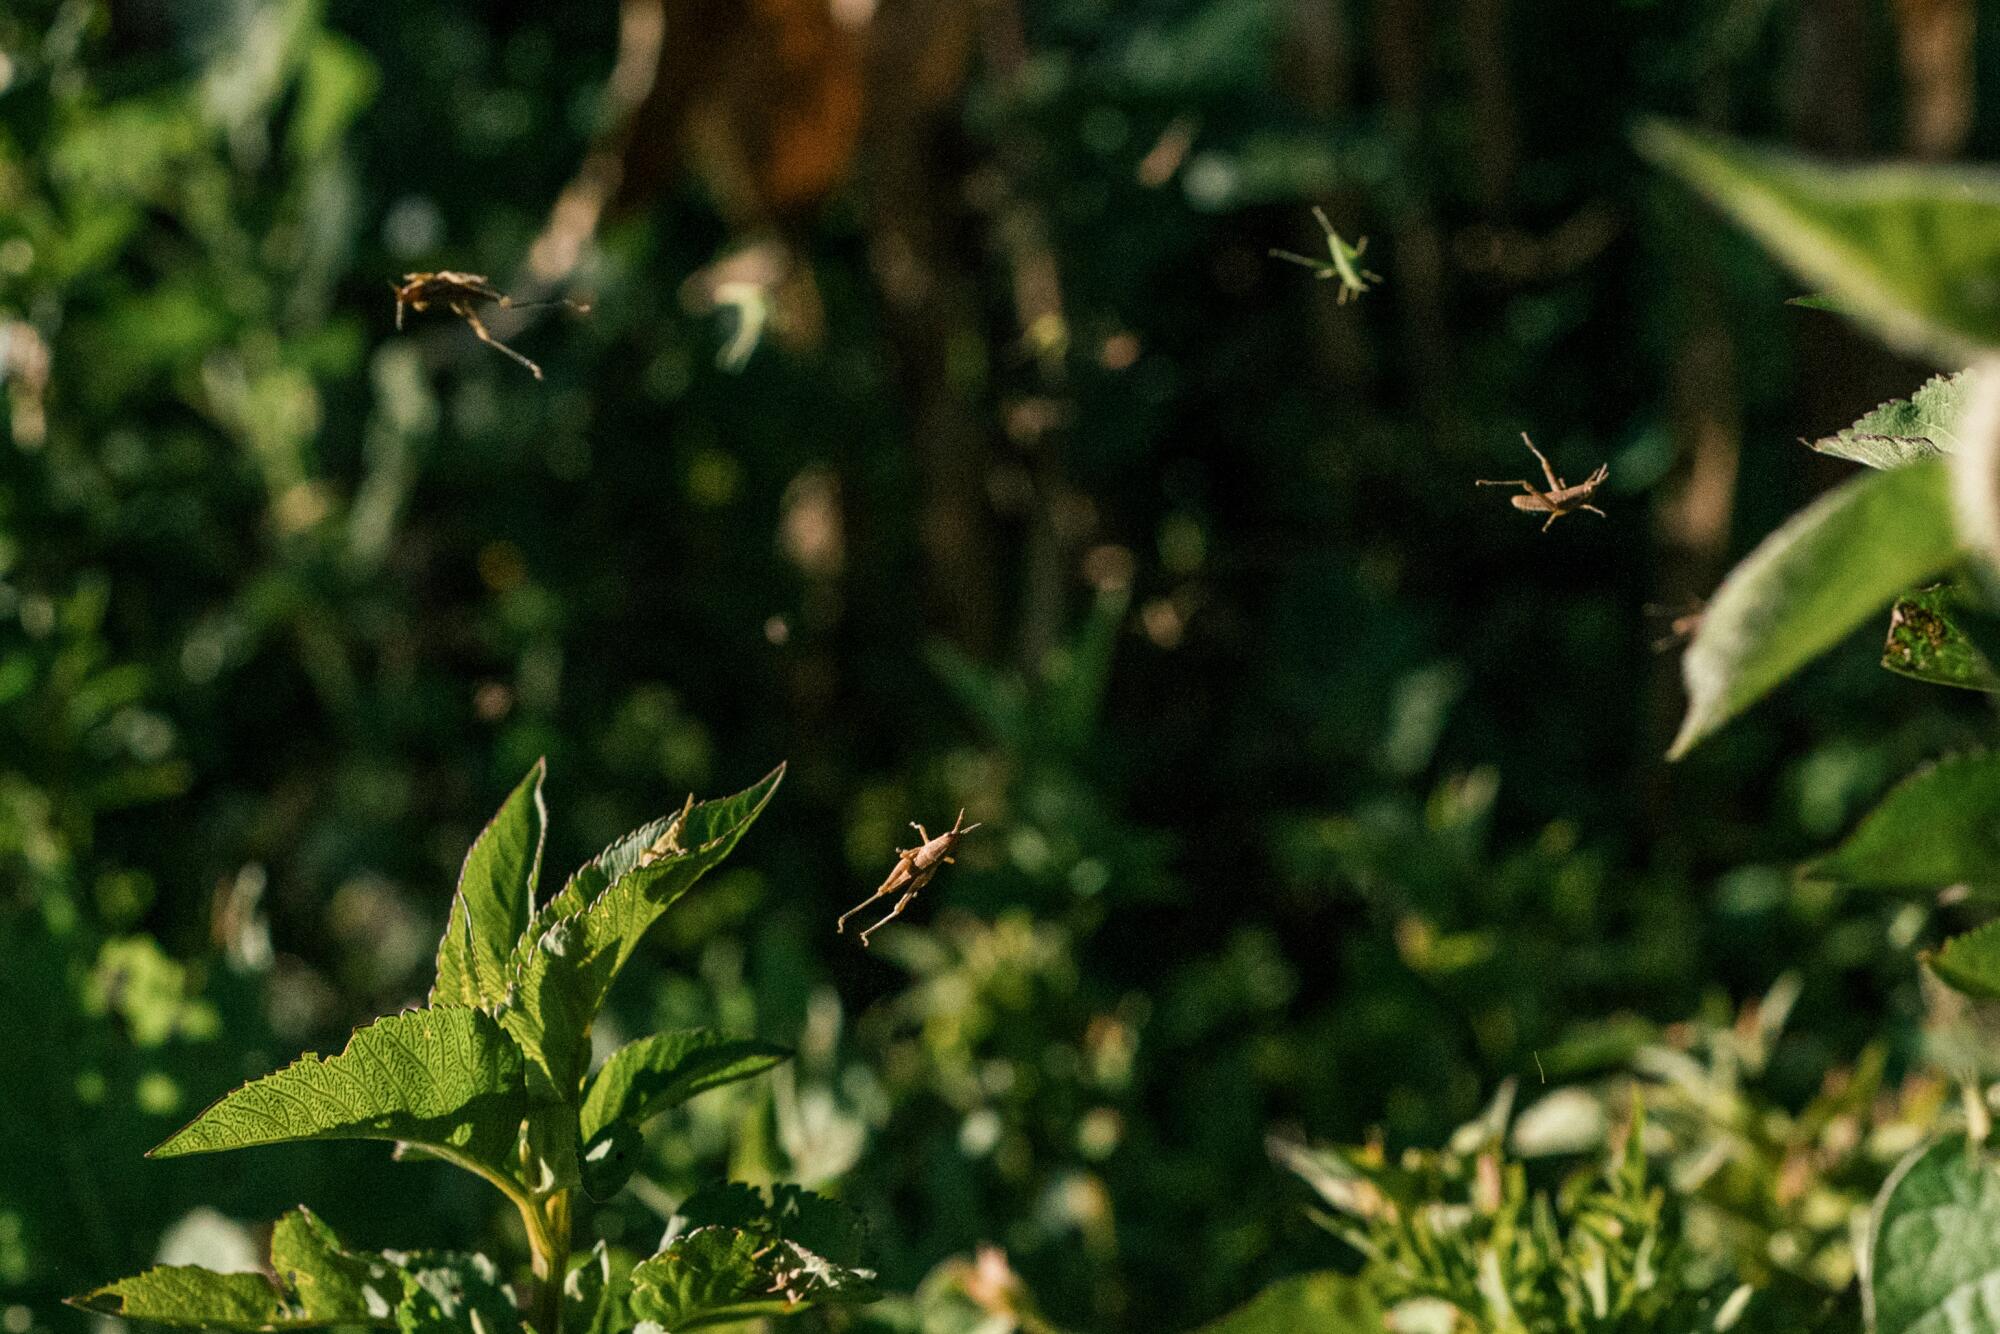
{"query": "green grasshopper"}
pixel 1342 261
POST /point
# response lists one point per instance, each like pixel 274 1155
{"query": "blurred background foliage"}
pixel 941 426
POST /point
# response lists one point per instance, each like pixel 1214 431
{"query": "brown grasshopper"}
pixel 460 293
pixel 1561 498
pixel 913 870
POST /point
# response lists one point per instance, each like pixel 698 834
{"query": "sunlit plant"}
pixel 494 1076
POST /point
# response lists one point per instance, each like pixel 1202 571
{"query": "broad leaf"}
pixel 447 1080
pixel 495 899
pixel 327 1280
pixel 1325 1303
pixel 318 1284
pixel 1971 963
pixel 1938 827
pixel 1809 584
pixel 562 978
pixel 1904 430
pixel 449 1293
pixel 654 1075
pixel 731 1256
pixel 1928 643
pixel 1908 250
pixel 659 1073
pixel 195 1298
pixel 1934 1247
pixel 805 1249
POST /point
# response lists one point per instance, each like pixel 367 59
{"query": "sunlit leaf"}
pixel 1904 430
pixel 1811 583
pixel 1927 642
pixel 653 1075
pixel 731 1256
pixel 1934 1247
pixel 317 1284
pixel 449 1080
pixel 1938 827
pixel 1907 250
pixel 495 899
pixel 562 978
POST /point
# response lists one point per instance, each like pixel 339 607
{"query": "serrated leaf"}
pixel 1326 1303
pixel 1907 250
pixel 1934 1246
pixel 654 1075
pixel 318 1284
pixel 448 1080
pixel 717 1274
pixel 1938 827
pixel 1904 430
pixel 327 1280
pixel 657 1075
pixel 562 979
pixel 450 1293
pixel 1809 584
pixel 1926 642
pixel 494 901
pixel 1971 963
pixel 194 1298
pixel 791 1213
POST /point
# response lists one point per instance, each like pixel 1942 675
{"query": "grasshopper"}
pixel 1561 498
pixel 913 870
pixel 460 293
pixel 1343 261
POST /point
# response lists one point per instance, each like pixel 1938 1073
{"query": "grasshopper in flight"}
pixel 1343 261
pixel 913 870
pixel 1561 498
pixel 461 294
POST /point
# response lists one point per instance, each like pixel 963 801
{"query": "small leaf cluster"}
pixel 493 1076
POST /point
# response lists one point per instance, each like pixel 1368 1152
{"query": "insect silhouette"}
pixel 913 870
pixel 461 294
pixel 1561 498
pixel 1343 261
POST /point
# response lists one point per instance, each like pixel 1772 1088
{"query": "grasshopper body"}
pixel 913 870
pixel 1561 498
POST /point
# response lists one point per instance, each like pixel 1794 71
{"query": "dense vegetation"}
pixel 1337 941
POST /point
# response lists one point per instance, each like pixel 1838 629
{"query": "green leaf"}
pixel 595 1293
pixel 1938 827
pixel 1904 430
pixel 654 1075
pixel 561 979
pixel 194 1298
pixel 1326 1303
pixel 318 1284
pixel 449 1293
pixel 1971 963
pixel 1927 643
pixel 494 902
pixel 1806 586
pixel 1908 250
pixel 327 1280
pixel 447 1080
pixel 651 1076
pixel 732 1256
pixel 1934 1246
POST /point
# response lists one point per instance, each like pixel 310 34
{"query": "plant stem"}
pixel 546 1219
pixel 551 1260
